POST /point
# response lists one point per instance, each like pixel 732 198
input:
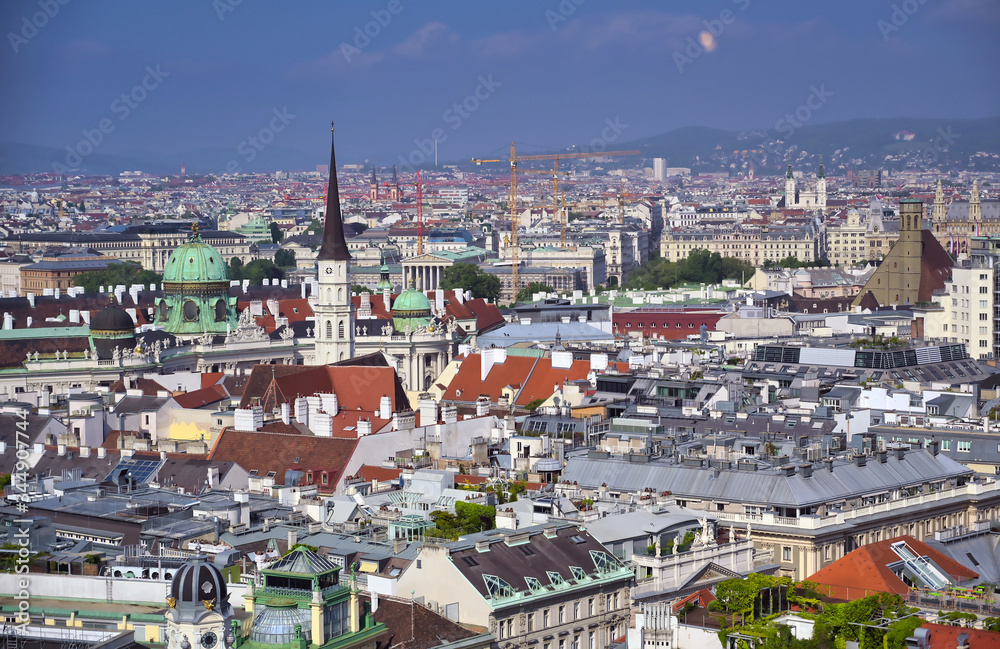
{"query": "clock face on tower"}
pixel 329 270
pixel 209 640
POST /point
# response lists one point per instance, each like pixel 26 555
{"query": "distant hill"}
pixel 893 143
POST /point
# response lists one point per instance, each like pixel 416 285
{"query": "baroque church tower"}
pixel 334 320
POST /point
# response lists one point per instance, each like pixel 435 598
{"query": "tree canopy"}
pixel 126 272
pixel 276 233
pixel 524 295
pixel 700 266
pixel 471 278
pixel 284 258
pixel 467 519
pixel 256 271
pixel 794 262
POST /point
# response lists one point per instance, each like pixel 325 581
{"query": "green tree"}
pixel 524 295
pixel 284 258
pixel 127 273
pixel 315 227
pixel 471 278
pixel 468 518
pixel 236 268
pixel 260 269
pixel 276 233
pixel 5 479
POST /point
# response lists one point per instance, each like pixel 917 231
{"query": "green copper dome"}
pixel 196 261
pixel 411 308
pixel 196 296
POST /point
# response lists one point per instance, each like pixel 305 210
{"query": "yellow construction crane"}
pixel 512 199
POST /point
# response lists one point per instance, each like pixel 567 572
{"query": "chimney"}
pixel 387 300
pixel 385 407
pixel 302 290
pixel 932 446
pixel 28 320
pixel 483 546
pixel 102 452
pixel 364 427
pixel 489 358
pixel 829 464
pixel 806 470
pixel 285 413
pixel 39 448
pixel 84 451
pixel 900 453
pixel 31 299
pixel 428 411
pixel 882 456
pixel 859 460
pixel 293 537
pixel 449 414
pixel 61 450
pixel 482 406
pixel 398 545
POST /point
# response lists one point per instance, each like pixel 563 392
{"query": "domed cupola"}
pixel 199 614
pixel 111 327
pixel 197 582
pixel 411 308
pixel 196 291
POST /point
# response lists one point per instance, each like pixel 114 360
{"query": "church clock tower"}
pixel 334 320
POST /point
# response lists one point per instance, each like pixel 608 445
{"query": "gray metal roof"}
pixel 766 487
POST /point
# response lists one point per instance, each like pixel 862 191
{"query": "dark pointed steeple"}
pixel 395 178
pixel 334 243
pixel 821 173
pixel 788 174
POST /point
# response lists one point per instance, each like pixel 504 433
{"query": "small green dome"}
pixel 196 261
pixel 411 308
pixel 410 303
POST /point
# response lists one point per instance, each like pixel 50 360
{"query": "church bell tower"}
pixel 334 319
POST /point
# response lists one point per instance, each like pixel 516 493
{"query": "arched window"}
pixel 340 330
pixel 220 311
pixel 329 329
pixel 190 311
pixel 329 295
pixel 340 295
pixel 164 310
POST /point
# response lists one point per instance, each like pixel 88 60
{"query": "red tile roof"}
pixel 266 452
pixel 149 387
pixel 944 636
pixel 544 379
pixel 368 472
pixel 203 397
pixel 865 570
pixel 467 383
pixel 358 387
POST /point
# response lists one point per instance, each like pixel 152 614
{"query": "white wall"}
pixel 74 587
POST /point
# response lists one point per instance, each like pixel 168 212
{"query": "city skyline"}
pixel 397 76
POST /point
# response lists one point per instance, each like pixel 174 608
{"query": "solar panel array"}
pixel 142 471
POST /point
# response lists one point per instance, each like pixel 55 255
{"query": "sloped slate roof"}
pixel 766 487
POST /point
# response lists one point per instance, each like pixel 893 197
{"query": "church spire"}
pixel 788 174
pixel 821 173
pixel 334 244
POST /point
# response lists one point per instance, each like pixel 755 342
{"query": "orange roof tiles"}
pixel 266 452
pixel 865 570
pixel 203 397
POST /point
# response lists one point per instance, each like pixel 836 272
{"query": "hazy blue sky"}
pixel 547 73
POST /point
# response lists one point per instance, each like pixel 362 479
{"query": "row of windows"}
pixel 666 325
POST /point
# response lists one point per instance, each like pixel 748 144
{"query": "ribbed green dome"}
pixel 195 261
pixel 411 308
pixel 196 296
pixel 411 302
